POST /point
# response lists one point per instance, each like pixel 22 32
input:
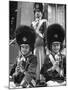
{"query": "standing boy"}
pixel 38 25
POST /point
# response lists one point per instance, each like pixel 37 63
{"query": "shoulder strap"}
pixel 52 59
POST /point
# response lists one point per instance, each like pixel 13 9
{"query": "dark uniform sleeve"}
pixel 32 67
pixel 13 69
pixel 17 78
pixel 31 72
pixel 64 66
pixel 47 64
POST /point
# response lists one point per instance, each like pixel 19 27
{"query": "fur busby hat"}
pixel 38 7
pixel 25 35
pixel 55 32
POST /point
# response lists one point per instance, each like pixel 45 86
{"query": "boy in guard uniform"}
pixel 38 24
pixel 24 71
pixel 54 68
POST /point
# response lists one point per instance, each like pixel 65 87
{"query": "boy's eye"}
pixel 56 44
pixel 25 47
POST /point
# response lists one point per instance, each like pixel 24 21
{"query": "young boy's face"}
pixel 38 14
pixel 25 49
pixel 55 47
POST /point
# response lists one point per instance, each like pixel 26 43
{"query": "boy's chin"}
pixel 56 52
pixel 24 54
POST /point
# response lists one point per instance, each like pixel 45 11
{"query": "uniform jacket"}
pixel 29 67
pixel 53 75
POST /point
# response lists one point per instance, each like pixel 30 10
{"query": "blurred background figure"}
pixel 38 25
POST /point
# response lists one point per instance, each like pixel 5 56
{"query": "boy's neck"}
pixel 53 53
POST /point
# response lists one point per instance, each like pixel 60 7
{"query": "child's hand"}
pixel 10 77
pixel 49 69
pixel 15 74
pixel 52 68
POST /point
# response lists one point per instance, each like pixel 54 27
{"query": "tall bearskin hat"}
pixel 55 32
pixel 25 35
pixel 38 7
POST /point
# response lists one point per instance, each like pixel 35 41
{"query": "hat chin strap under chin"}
pixel 29 53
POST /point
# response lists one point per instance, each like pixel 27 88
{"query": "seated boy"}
pixel 24 71
pixel 54 68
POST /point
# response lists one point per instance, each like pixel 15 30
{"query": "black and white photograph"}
pixel 37 44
